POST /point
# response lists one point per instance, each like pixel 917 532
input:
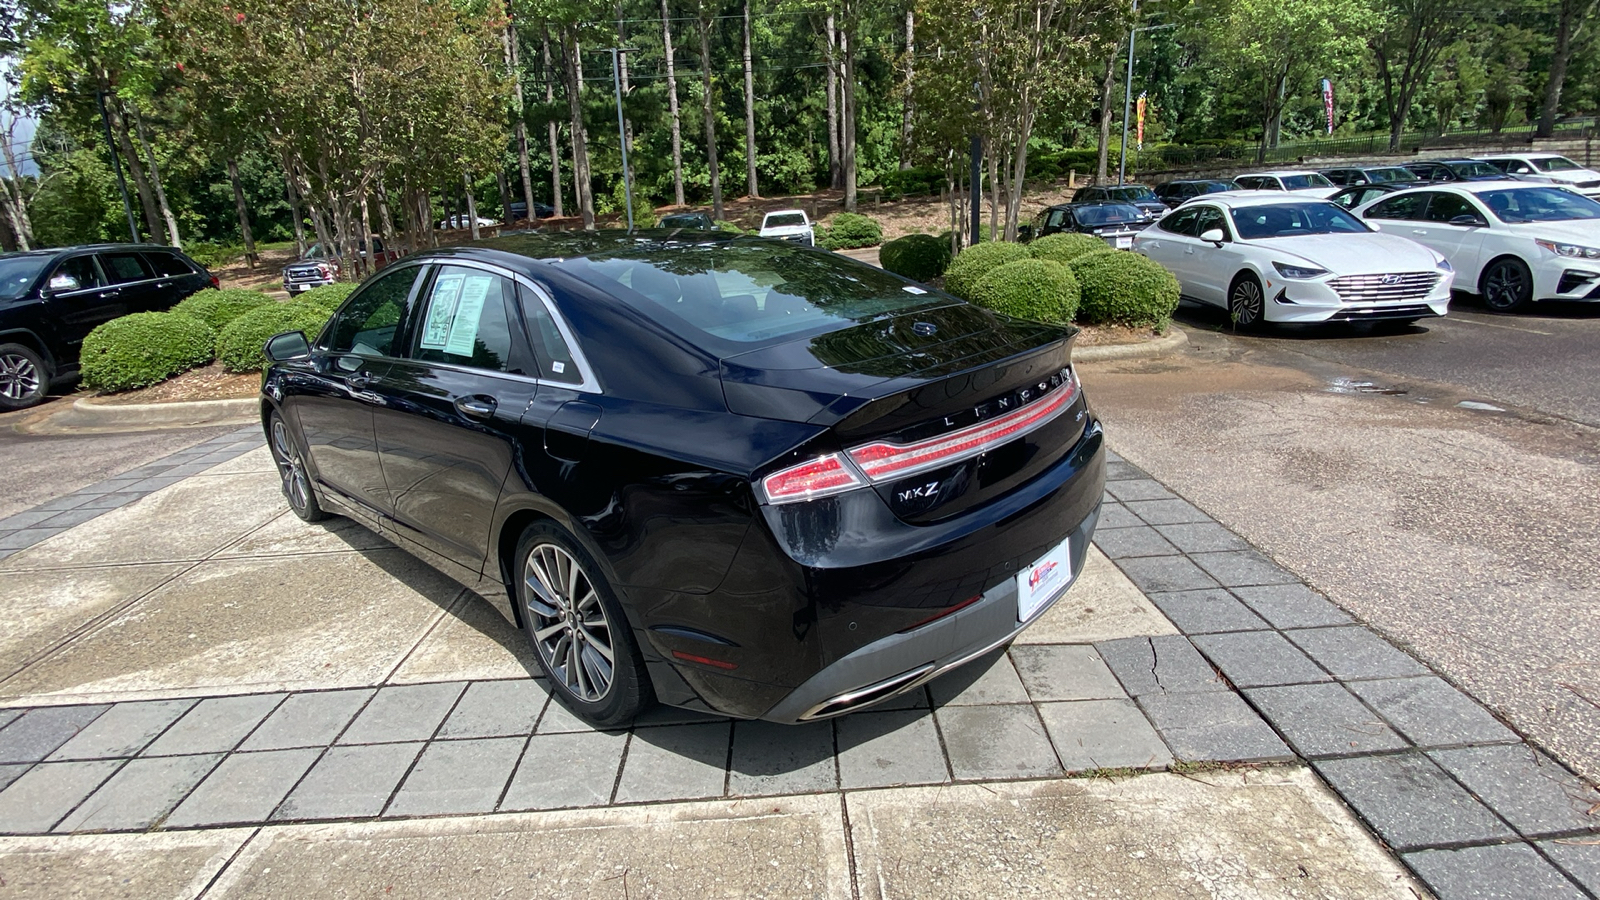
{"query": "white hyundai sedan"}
pixel 1511 241
pixel 1267 257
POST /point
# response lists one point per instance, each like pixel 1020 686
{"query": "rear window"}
pixel 1302 182
pixel 121 268
pixel 1109 214
pixel 168 264
pixel 733 297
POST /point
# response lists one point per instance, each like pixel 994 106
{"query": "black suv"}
pixel 1136 195
pixel 1174 193
pixel 51 299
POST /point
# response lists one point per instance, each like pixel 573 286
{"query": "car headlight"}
pixel 1571 251
pixel 1288 270
pixel 1444 265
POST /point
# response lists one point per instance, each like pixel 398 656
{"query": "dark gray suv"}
pixel 51 299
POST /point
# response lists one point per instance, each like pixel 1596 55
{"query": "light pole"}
pixel 1127 96
pixel 622 133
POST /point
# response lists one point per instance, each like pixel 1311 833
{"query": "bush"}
pixel 917 256
pixel 328 296
pixel 141 349
pixel 1064 248
pixel 1124 288
pixel 849 231
pixel 1036 289
pixel 731 228
pixel 975 262
pixel 914 182
pixel 218 308
pixel 240 344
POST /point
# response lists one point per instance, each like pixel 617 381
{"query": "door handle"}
pixel 359 380
pixel 1418 231
pixel 477 406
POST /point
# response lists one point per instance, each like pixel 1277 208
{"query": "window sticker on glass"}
pixel 441 310
pixel 464 328
pixel 911 289
pixel 558 367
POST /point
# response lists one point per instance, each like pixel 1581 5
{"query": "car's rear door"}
pixel 134 281
pixel 450 416
pixel 1172 242
pixel 175 278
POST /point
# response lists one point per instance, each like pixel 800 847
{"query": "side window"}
pixel 1248 183
pixel 75 274
pixel 367 323
pixel 168 264
pixel 1056 217
pixel 1210 217
pixel 1405 207
pixel 555 357
pixel 122 268
pixel 1444 207
pixel 466 320
pixel 1181 222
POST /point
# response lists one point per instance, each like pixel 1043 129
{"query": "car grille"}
pixel 798 238
pixel 1589 184
pixel 1384 288
pixel 302 273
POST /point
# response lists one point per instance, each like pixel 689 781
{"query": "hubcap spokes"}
pixel 1247 303
pixel 296 486
pixel 570 627
pixel 18 377
pixel 1505 286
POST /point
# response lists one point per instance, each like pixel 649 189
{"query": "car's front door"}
pixel 1442 227
pixel 450 418
pixel 333 403
pixel 78 300
pixel 1211 268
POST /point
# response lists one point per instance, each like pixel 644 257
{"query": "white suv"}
pixel 1548 168
pixel 789 225
pixel 1511 241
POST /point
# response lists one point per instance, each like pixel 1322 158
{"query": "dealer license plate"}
pixel 1123 243
pixel 1038 583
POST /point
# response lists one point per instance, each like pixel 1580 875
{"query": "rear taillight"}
pixel 882 461
pixel 820 477
pixel 215 283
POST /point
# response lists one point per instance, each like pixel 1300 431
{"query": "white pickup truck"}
pixel 789 225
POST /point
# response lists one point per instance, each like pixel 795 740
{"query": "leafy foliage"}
pixel 218 308
pixel 849 231
pixel 328 296
pixel 1065 247
pixel 240 345
pixel 138 350
pixel 1123 288
pixel 975 262
pixel 1036 289
pixel 918 256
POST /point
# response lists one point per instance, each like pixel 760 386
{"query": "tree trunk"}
pixel 580 135
pixel 141 184
pixel 503 189
pixel 672 106
pixel 847 122
pixel 472 205
pixel 992 158
pixel 751 188
pixel 514 60
pixel 555 143
pixel 710 116
pixel 905 108
pixel 369 259
pixel 1108 85
pixel 385 218
pixel 243 213
pixel 629 182
pixel 835 169
pixel 1574 13
pixel 155 181
pixel 16 200
pixel 294 206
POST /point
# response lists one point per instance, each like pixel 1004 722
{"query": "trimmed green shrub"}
pixel 240 345
pixel 975 262
pixel 849 231
pixel 917 256
pixel 1036 289
pixel 913 182
pixel 218 308
pixel 1066 247
pixel 1124 288
pixel 328 296
pixel 731 228
pixel 141 349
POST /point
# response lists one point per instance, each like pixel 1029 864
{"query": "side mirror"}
pixel 1213 236
pixel 287 346
pixel 1024 233
pixel 1374 225
pixel 63 282
pixel 1468 221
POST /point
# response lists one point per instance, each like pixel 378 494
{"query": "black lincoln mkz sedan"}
pixel 728 473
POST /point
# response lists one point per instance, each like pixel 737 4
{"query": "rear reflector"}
pixel 942 613
pixel 820 477
pixel 705 660
pixel 882 461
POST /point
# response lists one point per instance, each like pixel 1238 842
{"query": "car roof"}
pixel 1240 199
pixel 81 248
pixel 1278 173
pixel 784 212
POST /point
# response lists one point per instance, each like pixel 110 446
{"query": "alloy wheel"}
pixel 1504 287
pixel 569 624
pixel 1246 303
pixel 296 486
pixel 19 377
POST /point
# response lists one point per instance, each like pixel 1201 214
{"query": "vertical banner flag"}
pixel 1327 102
pixel 1141 120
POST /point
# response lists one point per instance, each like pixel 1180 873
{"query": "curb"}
pixel 1175 337
pixel 86 414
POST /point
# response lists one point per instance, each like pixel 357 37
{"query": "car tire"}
pixel 1506 285
pixel 24 377
pixel 579 631
pixel 1247 302
pixel 291 463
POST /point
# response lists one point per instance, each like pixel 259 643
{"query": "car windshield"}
pixel 1554 164
pixel 17 272
pixel 1474 169
pixel 1539 204
pixel 1107 214
pixel 1132 193
pixel 728 298
pixel 1393 173
pixel 784 220
pixel 1302 182
pixel 1294 220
